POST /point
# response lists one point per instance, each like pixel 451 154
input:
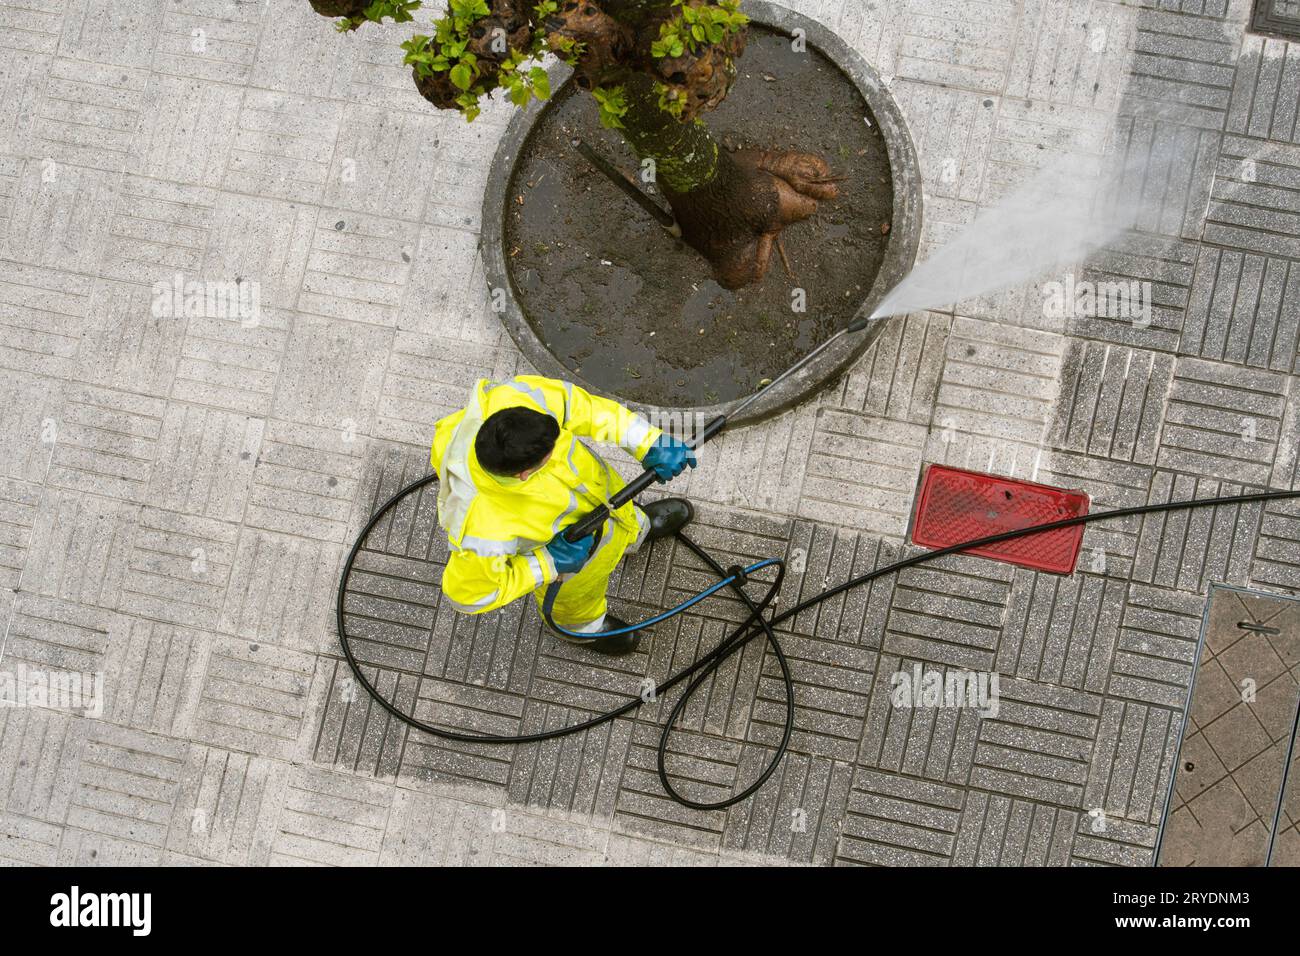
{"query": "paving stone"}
pixel 1061 630
pixel 1132 764
pixel 1168 264
pixel 205 462
pixel 88 115
pixel 1266 90
pixel 154 670
pixel 898 377
pixel 178 568
pixel 429 830
pixel 967 45
pixel 29 425
pixel 1182 66
pixel 1241 310
pixel 952 130
pixel 42 749
pixel 225 364
pixel 256 698
pixel 329 820
pixel 126 345
pixel 79 202
pixel 861 471
pixel 1076 53
pixel 226 807
pixel 22 76
pixel 32 25
pixel 1000 831
pixel 79 548
pixel 1156 651
pixel 122 800
pixel 995 398
pixel 357 267
pixel 1222 421
pixel 1189 549
pixel 897 821
pixel 1253 205
pixel 282 591
pixel 208 40
pixel 19 502
pixel 577 775
pixel 160 231
pixel 304 481
pixel 797 816
pixel 1113 401
pixel 283 146
pixel 260 240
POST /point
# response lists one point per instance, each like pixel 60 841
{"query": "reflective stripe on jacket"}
pixel 498 531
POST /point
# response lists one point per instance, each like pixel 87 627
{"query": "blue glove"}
pixel 668 457
pixel 570 556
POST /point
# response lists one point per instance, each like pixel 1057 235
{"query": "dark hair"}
pixel 514 440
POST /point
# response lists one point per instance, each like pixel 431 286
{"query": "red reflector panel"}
pixel 955 506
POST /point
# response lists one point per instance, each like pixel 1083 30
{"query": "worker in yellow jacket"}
pixel 514 474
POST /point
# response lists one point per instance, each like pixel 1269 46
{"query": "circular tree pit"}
pixel 599 293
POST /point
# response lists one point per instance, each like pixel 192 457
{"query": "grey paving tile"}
pixel 328 819
pixel 208 40
pixel 79 548
pixel 1253 204
pixel 797 817
pixel 1242 310
pixel 1189 549
pixel 121 803
pixel 1266 90
pixel 32 26
pixel 178 568
pixel 283 146
pixel 1168 264
pixel 1112 401
pixel 88 114
pixel 159 230
pixel 257 698
pixel 226 807
pixel 1182 66
pixel 899 376
pixel 895 820
pixel 1156 651
pixel 42 750
pixel 1061 630
pixel 861 471
pixel 1222 421
pixel 19 502
pixel 1000 831
pixel 153 676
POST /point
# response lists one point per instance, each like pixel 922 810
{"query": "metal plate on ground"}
pixel 1227 807
pixel 1277 17
pixel 954 505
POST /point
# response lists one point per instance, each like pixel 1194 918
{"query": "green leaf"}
pixel 541 82
pixel 462 75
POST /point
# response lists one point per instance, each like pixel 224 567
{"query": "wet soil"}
pixel 636 312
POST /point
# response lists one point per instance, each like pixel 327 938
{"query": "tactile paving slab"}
pixel 954 505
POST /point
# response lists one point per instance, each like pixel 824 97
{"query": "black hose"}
pixel 757 623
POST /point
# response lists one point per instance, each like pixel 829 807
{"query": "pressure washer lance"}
pixel 595 520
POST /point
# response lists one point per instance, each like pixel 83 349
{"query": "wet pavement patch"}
pixel 637 313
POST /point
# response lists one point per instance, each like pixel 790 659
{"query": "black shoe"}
pixel 668 516
pixel 615 646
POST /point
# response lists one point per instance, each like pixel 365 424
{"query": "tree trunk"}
pixel 732 207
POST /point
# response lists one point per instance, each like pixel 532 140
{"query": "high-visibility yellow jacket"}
pixel 498 528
